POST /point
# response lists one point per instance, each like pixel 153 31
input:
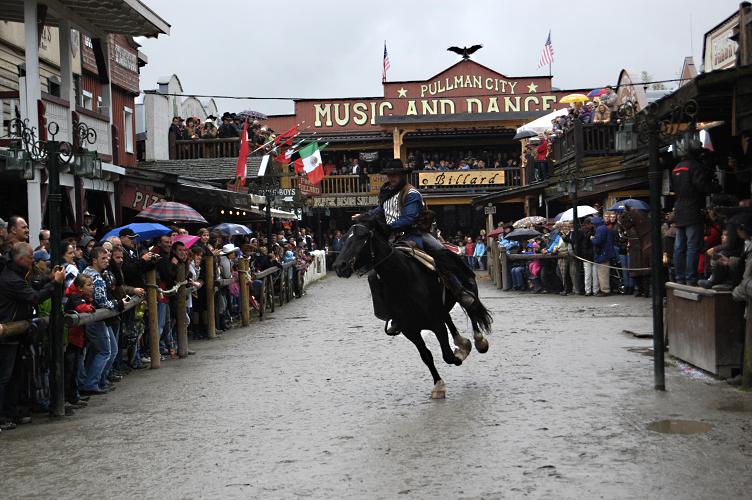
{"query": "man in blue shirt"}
pixel 402 206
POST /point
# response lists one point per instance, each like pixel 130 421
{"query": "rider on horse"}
pixel 407 216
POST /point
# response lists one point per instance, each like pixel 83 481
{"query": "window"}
pixel 87 100
pixel 128 129
pixel 53 86
pixel 99 103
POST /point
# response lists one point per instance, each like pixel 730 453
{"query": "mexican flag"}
pixel 313 167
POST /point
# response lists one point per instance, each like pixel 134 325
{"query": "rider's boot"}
pixel 464 297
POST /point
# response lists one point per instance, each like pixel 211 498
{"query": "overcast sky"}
pixel 334 48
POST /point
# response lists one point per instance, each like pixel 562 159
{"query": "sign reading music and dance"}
pixel 461 178
pixel 464 88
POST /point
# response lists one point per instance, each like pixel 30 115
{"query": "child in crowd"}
pixel 79 300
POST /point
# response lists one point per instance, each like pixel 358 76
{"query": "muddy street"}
pixel 318 402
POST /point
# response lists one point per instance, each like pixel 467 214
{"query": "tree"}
pixel 646 78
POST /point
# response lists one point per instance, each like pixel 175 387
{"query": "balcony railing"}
pixel 9 103
pixel 354 184
pixel 190 149
pixel 58 110
pixel 597 140
pixel 101 125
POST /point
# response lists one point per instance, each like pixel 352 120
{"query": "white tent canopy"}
pixel 540 125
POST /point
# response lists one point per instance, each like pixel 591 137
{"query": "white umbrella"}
pixel 582 211
pixel 540 125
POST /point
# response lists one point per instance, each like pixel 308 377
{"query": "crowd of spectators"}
pixel 230 126
pixel 612 257
pixel 108 274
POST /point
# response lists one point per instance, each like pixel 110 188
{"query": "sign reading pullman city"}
pixel 464 88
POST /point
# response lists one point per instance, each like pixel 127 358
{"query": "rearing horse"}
pixel 415 296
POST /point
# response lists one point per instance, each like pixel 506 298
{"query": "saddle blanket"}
pixel 419 255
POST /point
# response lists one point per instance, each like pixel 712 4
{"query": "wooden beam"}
pixel 41 20
pixel 102 59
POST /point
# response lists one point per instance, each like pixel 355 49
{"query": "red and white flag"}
pixel 241 170
pixel 386 64
pixel 286 137
pixel 547 57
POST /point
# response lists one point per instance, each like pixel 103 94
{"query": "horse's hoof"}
pixel 460 354
pixel 439 390
pixel 481 344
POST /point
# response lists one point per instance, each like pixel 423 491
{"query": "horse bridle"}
pixel 374 264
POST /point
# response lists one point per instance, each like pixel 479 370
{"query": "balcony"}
pixel 597 140
pixel 9 103
pixel 101 125
pixel 192 149
pixel 453 181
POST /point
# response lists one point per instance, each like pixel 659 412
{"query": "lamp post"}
pixel 55 155
pixel 269 187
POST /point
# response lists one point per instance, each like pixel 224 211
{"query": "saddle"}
pixel 409 248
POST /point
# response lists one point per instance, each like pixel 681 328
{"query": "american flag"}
pixel 547 57
pixel 386 64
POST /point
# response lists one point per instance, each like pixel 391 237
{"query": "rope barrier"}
pixel 613 267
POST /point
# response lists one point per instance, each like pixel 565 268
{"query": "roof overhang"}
pixel 508 120
pixel 499 196
pixel 96 17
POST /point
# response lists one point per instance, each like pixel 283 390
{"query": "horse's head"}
pixel 357 251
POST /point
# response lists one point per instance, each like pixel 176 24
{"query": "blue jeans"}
pixel 628 280
pixel 687 252
pixel 164 326
pixel 518 278
pixel 101 350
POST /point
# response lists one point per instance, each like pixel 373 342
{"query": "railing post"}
pixel 151 302
pixel 244 292
pixel 182 313
pixel 211 330
pixel 505 277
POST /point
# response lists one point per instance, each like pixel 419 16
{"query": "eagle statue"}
pixel 465 51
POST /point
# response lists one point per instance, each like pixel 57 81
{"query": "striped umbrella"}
pixel 171 211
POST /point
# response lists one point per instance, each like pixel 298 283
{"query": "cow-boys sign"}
pixel 465 88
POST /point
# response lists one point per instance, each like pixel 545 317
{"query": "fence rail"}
pixel 191 149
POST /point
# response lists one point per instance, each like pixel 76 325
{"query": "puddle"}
pixel 645 351
pixel 736 406
pixel 679 427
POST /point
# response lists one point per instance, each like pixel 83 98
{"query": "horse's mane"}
pixel 376 221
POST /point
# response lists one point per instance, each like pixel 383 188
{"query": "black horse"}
pixel 415 296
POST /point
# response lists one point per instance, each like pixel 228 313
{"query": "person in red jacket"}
pixel 469 252
pixel 80 298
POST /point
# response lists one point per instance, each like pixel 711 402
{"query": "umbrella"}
pixel 171 211
pixel 144 230
pixel 582 211
pixel 596 93
pixel 497 231
pixel 228 229
pixel 524 134
pixel 568 99
pixel 558 217
pixel 522 234
pixel 251 115
pixel 631 203
pixel 533 220
pixel 186 239
pixel 543 123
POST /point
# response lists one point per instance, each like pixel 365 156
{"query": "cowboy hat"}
pixel 229 248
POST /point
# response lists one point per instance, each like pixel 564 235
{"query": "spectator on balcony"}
pixel 86 228
pixel 177 129
pixel 610 99
pixel 586 114
pixel 210 131
pixel 602 115
pixel 191 131
pixel 541 155
pixel 227 130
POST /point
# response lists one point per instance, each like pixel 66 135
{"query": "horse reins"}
pixel 374 263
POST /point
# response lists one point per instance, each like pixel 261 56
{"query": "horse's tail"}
pixel 480 317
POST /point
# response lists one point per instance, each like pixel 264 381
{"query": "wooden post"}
pixel 211 329
pixel 151 301
pixel 505 277
pixel 182 312
pixel 244 292
pixel 747 362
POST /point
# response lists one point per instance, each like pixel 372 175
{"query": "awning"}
pixel 97 17
pixel 276 213
pixel 460 118
pixel 202 194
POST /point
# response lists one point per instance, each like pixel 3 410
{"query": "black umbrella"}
pixel 524 134
pixel 252 115
pixel 522 234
